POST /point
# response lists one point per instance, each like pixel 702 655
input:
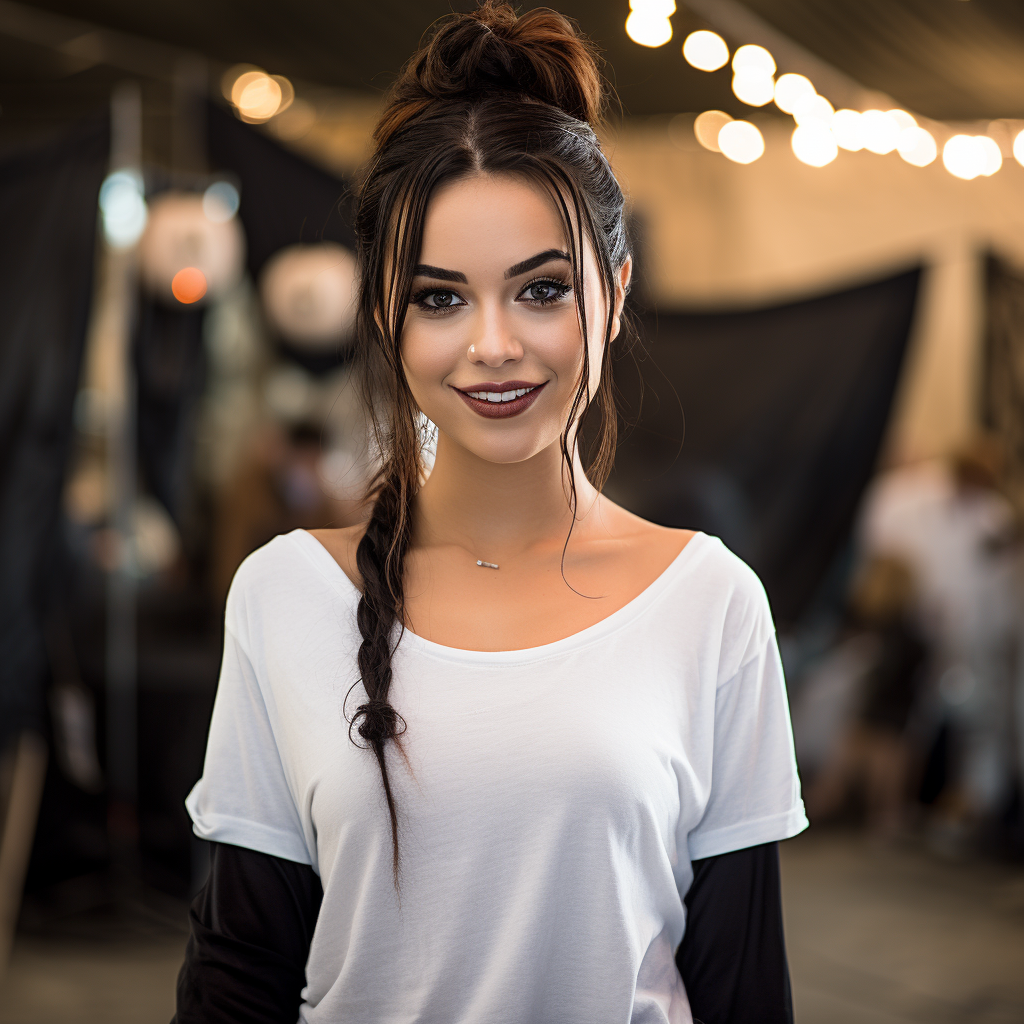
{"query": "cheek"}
pixel 429 353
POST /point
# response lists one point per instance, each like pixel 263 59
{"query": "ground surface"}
pixel 875 937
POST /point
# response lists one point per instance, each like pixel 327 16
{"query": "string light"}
pixel 1018 148
pixel 963 157
pixel 917 146
pixel 902 118
pixel 705 51
pixel 753 87
pixel 754 58
pixel 741 142
pixel 790 89
pixel 847 130
pixel 881 132
pixel 706 127
pixel 814 144
pixel 813 109
pixel 648 22
pixel 993 154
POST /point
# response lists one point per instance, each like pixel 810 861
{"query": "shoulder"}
pixel 341 545
pixel 726 596
pixel 274 582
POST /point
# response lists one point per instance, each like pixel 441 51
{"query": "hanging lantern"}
pixel 187 258
pixel 309 295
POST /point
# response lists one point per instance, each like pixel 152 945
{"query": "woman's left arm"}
pixel 733 955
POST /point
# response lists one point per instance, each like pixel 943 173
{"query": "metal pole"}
pixel 121 661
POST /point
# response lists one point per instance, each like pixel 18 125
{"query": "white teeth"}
pixel 499 396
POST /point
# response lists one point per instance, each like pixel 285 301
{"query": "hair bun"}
pixel 541 55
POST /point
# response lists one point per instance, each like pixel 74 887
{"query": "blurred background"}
pixel 827 211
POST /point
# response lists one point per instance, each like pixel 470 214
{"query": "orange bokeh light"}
pixel 188 285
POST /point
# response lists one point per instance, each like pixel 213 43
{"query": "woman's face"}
pixel 491 344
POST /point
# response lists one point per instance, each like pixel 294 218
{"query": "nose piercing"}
pixel 472 350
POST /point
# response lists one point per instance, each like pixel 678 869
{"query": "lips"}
pixel 499 400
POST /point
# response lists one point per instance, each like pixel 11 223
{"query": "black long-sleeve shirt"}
pixel 253 921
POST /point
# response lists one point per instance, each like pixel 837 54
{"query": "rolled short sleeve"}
pixel 243 797
pixel 755 789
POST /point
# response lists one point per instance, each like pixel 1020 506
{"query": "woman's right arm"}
pixel 251 928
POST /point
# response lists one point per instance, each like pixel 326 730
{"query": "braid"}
pixel 380 558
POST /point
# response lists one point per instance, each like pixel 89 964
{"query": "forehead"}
pixel 489 221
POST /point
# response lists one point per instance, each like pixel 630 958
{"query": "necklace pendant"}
pixel 486 565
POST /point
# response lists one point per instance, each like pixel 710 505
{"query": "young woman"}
pixel 506 752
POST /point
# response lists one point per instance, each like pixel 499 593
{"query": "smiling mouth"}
pixel 500 400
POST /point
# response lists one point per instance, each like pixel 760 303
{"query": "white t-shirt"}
pixel 552 802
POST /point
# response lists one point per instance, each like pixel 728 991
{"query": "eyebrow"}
pixel 441 274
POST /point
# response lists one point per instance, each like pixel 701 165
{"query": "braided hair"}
pixel 490 92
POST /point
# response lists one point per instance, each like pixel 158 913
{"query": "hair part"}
pixel 489 93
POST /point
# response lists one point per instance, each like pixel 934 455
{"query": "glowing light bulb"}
pixel 188 285
pixel 790 89
pixel 123 207
pixel 881 132
pixel 648 29
pixel 754 58
pixel 706 51
pixel 741 142
pixel 753 87
pixel 813 108
pixel 814 144
pixel 657 8
pixel 963 157
pixel 917 146
pixel 221 202
pixel 902 118
pixel 1018 148
pixel 847 130
pixel 706 127
pixel 993 155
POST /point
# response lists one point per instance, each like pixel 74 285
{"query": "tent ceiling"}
pixel 948 59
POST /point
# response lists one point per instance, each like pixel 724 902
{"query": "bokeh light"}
pixel 881 132
pixel 963 157
pixel 790 89
pixel 1018 148
pixel 706 127
pixel 220 202
pixel 993 154
pixel 741 142
pixel 648 22
pixel 754 58
pixel 847 130
pixel 188 285
pixel 257 96
pixel 902 118
pixel 814 144
pixel 753 87
pixel 705 51
pixel 813 109
pixel 123 208
pixel 917 146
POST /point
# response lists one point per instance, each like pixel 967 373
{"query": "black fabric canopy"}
pixel 784 411
pixel 285 199
pixel 48 208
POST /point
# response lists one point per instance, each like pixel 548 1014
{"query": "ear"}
pixel 622 280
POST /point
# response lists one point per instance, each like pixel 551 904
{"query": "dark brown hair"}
pixel 494 93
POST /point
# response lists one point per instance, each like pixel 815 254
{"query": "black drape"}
pixel 285 199
pixel 48 209
pixel 784 410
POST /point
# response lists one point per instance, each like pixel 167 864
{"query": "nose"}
pixel 495 343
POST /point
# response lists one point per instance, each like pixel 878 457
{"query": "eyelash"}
pixel 561 290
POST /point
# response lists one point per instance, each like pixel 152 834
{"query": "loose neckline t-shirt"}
pixel 550 800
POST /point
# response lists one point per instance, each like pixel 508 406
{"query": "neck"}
pixel 496 510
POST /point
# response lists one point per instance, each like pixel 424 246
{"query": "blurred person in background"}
pixel 505 751
pixel 955 528
pixel 875 753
